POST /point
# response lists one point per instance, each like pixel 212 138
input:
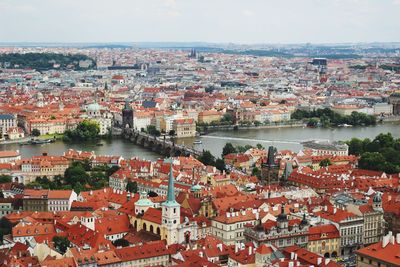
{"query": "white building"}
pixel 61 200
pixel 7 156
pixel 103 118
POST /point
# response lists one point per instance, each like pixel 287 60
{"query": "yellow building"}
pixel 184 127
pixel 324 240
pixel 209 116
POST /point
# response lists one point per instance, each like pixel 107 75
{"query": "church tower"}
pixel 127 115
pixel 171 213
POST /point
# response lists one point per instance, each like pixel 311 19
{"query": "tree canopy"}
pixel 86 130
pixel 380 154
pixel 327 117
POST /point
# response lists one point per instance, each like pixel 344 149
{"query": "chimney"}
pixel 291 264
pixel 292 255
pixel 228 215
pixel 201 254
pixel 334 210
pixel 398 238
pixel 325 208
pixel 295 256
pixel 319 261
pixel 219 246
pixel 236 247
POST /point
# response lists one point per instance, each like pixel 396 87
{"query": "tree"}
pixel 313 122
pixel 35 132
pixel 152 130
pixel 356 146
pixel 228 149
pixel 228 118
pixel 171 133
pixel 121 243
pixel 75 174
pixel 207 158
pixel 325 162
pixel 259 146
pixel 61 243
pixel 220 164
pixel 132 187
pixel 86 130
pixel 256 172
pixel 372 161
pixel 111 170
pixel 5 179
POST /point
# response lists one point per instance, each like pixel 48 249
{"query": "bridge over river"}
pixel 161 145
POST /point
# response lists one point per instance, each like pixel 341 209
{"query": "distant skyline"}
pixel 213 21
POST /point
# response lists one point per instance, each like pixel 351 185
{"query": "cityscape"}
pixel 126 141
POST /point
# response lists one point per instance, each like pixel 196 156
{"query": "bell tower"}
pixel 171 212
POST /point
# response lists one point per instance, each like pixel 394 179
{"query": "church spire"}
pixel 170 194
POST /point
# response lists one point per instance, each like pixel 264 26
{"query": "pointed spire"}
pixel 170 194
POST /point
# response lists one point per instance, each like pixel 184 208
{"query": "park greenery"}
pixel 80 176
pixel 327 118
pixel 380 154
pixel 44 61
pixel 86 130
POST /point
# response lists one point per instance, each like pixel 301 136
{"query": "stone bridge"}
pixel 161 145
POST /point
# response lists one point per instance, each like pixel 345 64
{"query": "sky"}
pixel 215 21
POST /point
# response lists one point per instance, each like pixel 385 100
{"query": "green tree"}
pixel 61 243
pixel 220 164
pixel 132 186
pixel 35 132
pixel 372 161
pixel 152 130
pixel 5 179
pixel 228 149
pixel 256 172
pixel 207 158
pixel 86 130
pixel 325 162
pixel 171 133
pixel 259 146
pixel 228 118
pixel 121 243
pixel 76 174
pixel 356 146
pixel 313 122
pixel 78 187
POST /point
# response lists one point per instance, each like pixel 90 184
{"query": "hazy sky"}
pixel 238 21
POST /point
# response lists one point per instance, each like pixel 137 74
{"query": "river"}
pixel 282 138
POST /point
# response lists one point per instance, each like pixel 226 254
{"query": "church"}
pixel 167 222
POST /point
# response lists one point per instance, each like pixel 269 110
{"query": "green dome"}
pixel 94 107
pixel 195 188
pixel 144 201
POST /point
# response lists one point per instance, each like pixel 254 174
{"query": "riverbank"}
pixel 209 128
